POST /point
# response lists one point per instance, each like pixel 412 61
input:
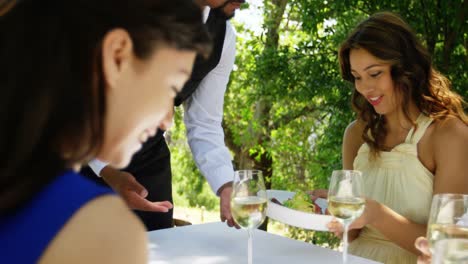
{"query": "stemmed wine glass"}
pixel 345 200
pixel 248 202
pixel 450 250
pixel 448 218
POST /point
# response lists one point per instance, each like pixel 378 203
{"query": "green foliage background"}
pixel 286 107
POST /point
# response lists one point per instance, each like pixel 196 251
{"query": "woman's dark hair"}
pixel 52 106
pixel 6 5
pixel 387 37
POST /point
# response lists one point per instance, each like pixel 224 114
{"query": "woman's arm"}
pixel 451 156
pixel 352 141
pixel 392 225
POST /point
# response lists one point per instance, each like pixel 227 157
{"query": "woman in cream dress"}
pixel 410 138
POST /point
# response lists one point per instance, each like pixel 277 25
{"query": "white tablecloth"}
pixel 216 243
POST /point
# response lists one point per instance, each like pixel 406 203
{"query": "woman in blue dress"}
pixel 80 80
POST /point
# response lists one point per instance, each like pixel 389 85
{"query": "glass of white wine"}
pixel 346 200
pixel 248 202
pixel 451 251
pixel 448 218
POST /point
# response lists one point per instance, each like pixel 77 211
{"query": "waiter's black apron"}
pixel 151 165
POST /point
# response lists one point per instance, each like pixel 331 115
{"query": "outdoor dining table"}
pixel 216 243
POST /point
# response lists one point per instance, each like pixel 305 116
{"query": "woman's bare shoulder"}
pixel 354 131
pixel 352 140
pixel 450 129
pixel 450 144
pixel 102 231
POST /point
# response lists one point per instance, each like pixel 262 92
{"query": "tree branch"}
pixel 291 116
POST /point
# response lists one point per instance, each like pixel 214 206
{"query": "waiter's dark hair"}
pixel 53 105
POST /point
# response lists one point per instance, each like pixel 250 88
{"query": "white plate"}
pixel 293 217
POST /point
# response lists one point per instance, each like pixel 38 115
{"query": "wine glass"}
pixel 345 200
pixel 450 251
pixel 248 202
pixel 448 218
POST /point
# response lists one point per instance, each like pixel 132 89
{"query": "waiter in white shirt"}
pixel 146 183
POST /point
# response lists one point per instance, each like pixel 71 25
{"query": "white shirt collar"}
pixel 206 12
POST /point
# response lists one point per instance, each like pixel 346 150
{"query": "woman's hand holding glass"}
pixel 448 218
pixel 422 244
pixel 336 226
pixel 447 232
pixel 346 200
pixel 451 251
pixel 446 251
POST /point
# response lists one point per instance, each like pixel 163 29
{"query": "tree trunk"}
pixel 244 158
pixel 274 11
pixel 452 32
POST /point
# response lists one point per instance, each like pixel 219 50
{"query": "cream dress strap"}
pixel 416 133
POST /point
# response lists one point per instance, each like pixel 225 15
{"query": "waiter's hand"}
pixel 225 204
pixel 131 191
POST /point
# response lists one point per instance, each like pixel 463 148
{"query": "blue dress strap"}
pixel 25 234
